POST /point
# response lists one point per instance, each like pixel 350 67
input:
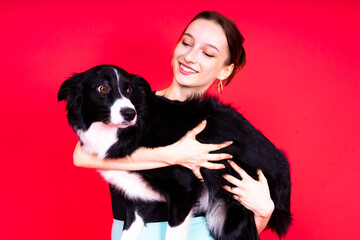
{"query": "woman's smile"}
pixel 186 70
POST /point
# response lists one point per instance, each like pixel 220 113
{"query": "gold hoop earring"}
pixel 220 86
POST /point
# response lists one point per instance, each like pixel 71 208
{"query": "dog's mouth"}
pixel 122 125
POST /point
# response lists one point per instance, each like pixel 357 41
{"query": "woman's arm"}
pixel 252 194
pixel 187 152
pixel 127 163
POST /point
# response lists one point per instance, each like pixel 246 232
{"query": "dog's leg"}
pixel 134 231
pixel 231 220
pixel 179 232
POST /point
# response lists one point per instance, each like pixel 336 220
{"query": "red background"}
pixel 300 87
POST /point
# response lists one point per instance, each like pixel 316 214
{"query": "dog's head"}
pixel 105 93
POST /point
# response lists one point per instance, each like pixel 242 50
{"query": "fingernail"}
pixel 229 142
pixel 230 156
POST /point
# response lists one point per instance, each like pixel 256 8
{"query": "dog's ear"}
pixel 69 88
pixel 71 92
pixel 142 84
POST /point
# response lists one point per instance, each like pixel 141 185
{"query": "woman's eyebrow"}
pixel 208 44
pixel 188 34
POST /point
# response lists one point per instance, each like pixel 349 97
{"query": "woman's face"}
pixel 200 57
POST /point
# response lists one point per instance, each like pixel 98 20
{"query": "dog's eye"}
pixel 129 90
pixel 103 89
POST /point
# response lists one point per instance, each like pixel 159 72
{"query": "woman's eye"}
pixel 103 89
pixel 185 44
pixel 129 90
pixel 208 55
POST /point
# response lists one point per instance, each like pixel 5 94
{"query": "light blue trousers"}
pixel 156 231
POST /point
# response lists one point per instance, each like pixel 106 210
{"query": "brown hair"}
pixel 234 39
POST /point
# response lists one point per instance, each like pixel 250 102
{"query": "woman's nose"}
pixel 190 56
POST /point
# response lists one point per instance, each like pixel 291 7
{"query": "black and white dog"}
pixel 114 112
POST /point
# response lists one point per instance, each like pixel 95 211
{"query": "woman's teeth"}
pixel 187 69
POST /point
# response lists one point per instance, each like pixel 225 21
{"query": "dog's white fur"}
pixel 179 232
pixel 135 230
pixel 216 216
pixel 97 140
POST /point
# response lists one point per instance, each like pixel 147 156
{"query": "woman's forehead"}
pixel 207 31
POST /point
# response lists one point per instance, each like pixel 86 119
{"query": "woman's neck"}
pixel 179 93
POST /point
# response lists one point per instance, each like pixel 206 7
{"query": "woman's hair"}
pixel 234 39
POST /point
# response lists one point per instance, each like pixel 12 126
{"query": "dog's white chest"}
pixel 98 138
pixel 132 185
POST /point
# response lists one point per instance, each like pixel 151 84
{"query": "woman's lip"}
pixel 186 72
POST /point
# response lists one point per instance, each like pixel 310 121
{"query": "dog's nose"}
pixel 128 113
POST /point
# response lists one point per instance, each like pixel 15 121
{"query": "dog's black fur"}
pixel 162 122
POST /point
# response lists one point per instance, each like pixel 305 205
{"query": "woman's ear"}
pixel 226 72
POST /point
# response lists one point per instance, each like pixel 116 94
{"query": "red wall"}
pixel 300 87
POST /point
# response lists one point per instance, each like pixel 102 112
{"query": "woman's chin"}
pixel 185 81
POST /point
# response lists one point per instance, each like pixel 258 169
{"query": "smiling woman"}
pixel 210 49
pixel 201 56
pixel 300 86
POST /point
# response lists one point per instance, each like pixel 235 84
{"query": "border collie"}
pixel 114 112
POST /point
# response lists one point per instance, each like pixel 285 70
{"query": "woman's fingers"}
pixel 231 190
pixel 78 144
pixel 233 180
pixel 239 170
pixel 210 147
pixel 252 194
pixel 262 178
pixel 198 174
pixel 193 154
pixel 217 156
pixel 198 129
pixel 237 194
pixel 213 166
pixel 214 147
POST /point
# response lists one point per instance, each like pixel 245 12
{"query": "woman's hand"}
pixel 79 155
pixel 252 194
pixel 192 154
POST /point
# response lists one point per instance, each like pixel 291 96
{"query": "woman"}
pixel 210 49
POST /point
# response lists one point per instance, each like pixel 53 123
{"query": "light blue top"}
pixel 156 231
